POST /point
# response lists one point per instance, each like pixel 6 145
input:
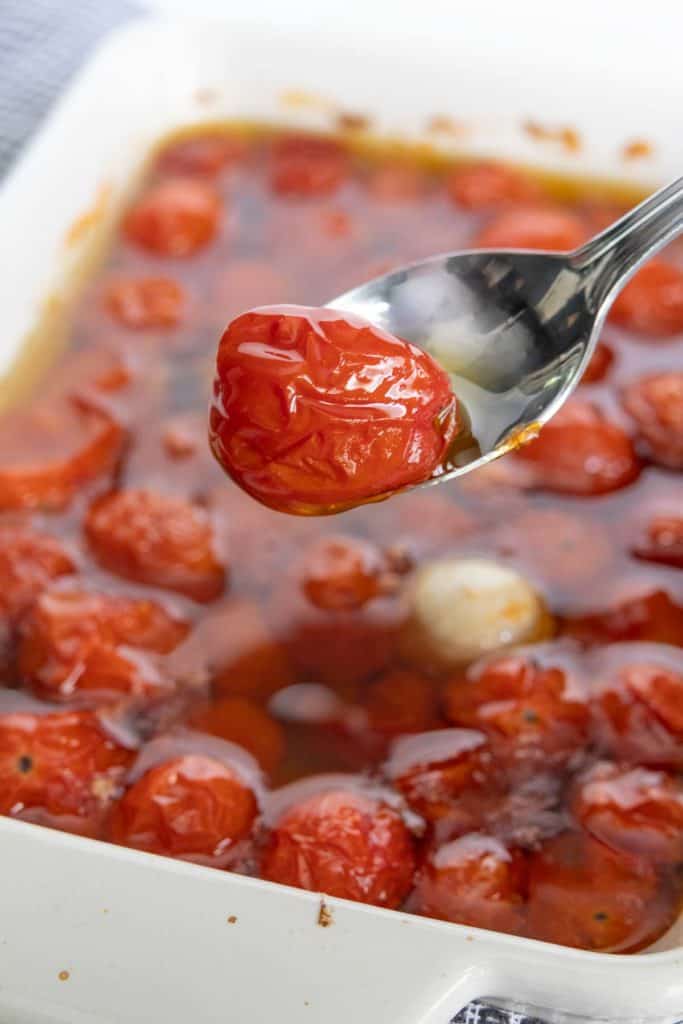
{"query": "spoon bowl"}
pixel 514 329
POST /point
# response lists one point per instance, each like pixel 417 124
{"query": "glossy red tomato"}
pixel 241 721
pixel 534 227
pixel 344 844
pixel 640 714
pixel 526 710
pixel 306 165
pixel 76 642
pixel 145 302
pixel 583 894
pixel 176 217
pixel 50 450
pixel 599 365
pixel 60 769
pixel 635 810
pixel 488 185
pixel 192 807
pixel 656 405
pixel 474 880
pixel 151 538
pixel 663 541
pixel 434 769
pixel 29 559
pixel 652 302
pixel 314 411
pixel 581 452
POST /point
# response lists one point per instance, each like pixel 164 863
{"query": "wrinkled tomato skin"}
pixel 585 895
pixel 163 541
pixel 526 710
pixel 314 411
pixel 475 881
pixel 75 643
pixel 343 844
pixel 580 452
pixel 633 810
pixel 639 717
pixel 192 807
pixel 61 769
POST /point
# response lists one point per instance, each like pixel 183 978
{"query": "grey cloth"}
pixel 42 43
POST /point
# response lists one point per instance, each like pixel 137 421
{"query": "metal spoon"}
pixel 516 329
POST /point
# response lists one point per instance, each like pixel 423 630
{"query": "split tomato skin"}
pixel 315 411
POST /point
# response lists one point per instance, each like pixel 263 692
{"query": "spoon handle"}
pixel 612 257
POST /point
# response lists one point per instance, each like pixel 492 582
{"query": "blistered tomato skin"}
pixel 315 411
pixel 634 810
pixel 154 539
pixel 145 302
pixel 583 894
pixel 474 880
pixel 527 711
pixel 29 560
pixel 639 715
pixel 344 844
pixel 342 574
pixel 192 807
pixel 579 451
pixel 652 302
pixel 656 405
pixel 61 769
pixel 176 217
pixel 48 451
pixel 78 643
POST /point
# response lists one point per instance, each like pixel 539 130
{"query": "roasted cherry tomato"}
pixel 474 880
pixel 640 714
pixel 434 769
pixel 314 410
pixel 28 561
pixel 528 712
pixel 534 227
pixel 192 807
pixel 304 165
pixel 583 894
pixel 656 405
pixel 48 452
pixel 245 723
pixel 581 452
pixel 486 186
pixel 205 157
pixel 401 701
pixel 646 618
pixel 176 217
pixel 75 642
pixel 145 302
pixel 663 541
pixel 599 365
pixel 342 573
pixel 151 538
pixel 344 844
pixel 634 810
pixel 61 769
pixel 652 303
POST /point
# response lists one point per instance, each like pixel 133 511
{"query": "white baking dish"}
pixel 90 932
